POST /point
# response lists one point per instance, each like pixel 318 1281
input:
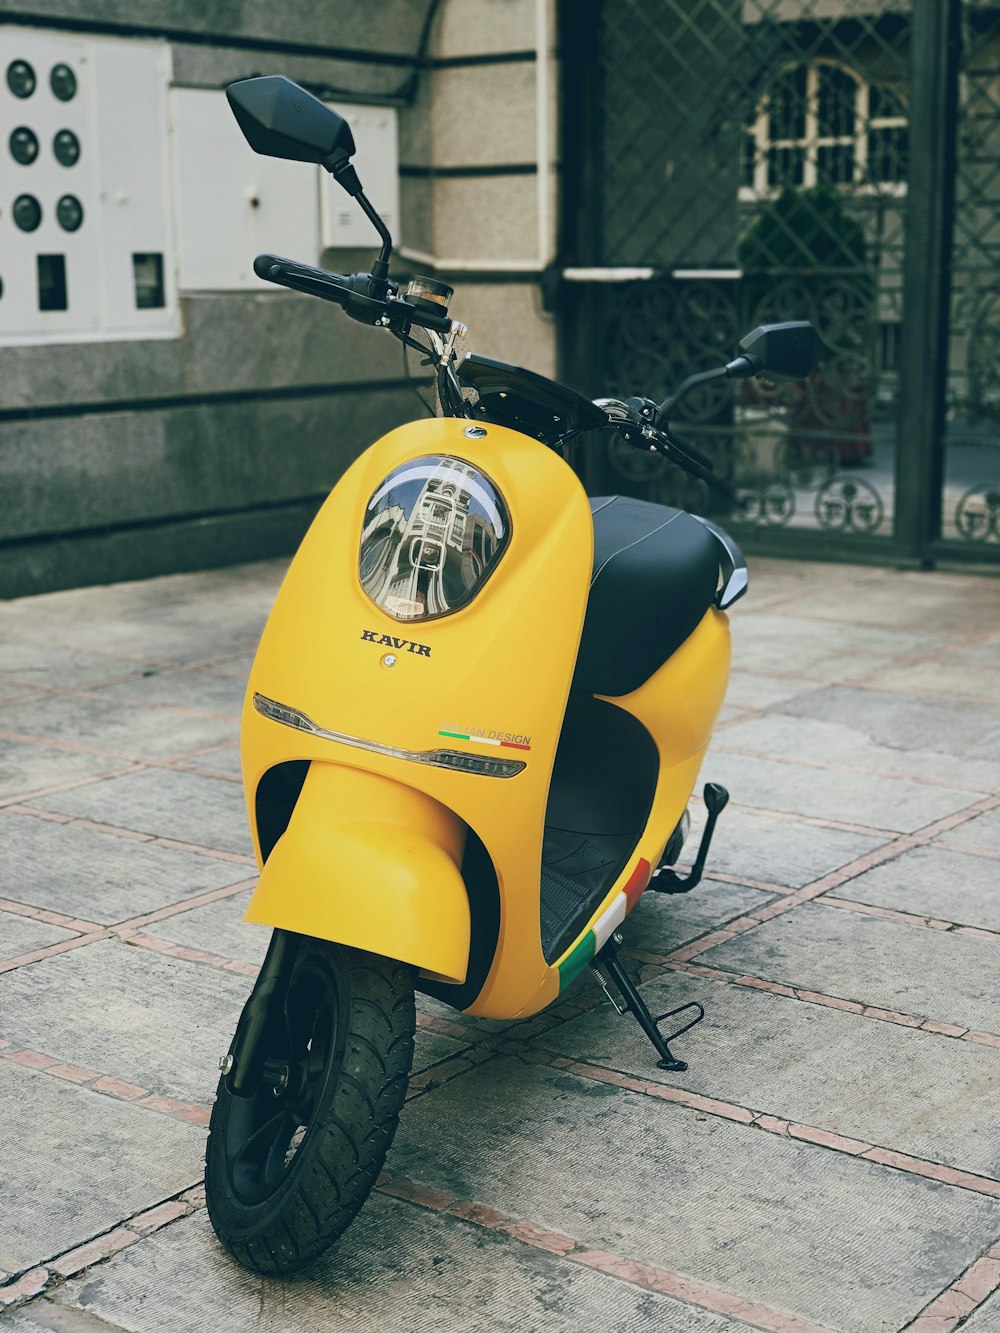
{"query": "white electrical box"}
pixel 85 237
pixel 233 204
pixel 377 163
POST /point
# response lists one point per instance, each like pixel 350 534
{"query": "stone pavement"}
pixel 831 1160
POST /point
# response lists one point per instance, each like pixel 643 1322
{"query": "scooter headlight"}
pixel 434 531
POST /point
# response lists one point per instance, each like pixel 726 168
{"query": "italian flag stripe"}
pixel 485 740
pixel 600 932
pixel 636 883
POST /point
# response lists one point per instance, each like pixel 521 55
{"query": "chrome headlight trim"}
pixel 455 760
pixel 433 533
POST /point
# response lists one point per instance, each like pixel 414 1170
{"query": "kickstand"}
pixel 608 965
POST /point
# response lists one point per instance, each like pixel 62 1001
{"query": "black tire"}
pixel 287 1169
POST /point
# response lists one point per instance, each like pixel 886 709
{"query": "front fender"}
pixel 373 864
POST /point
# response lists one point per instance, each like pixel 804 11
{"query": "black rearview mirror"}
pixel 782 351
pixel 280 119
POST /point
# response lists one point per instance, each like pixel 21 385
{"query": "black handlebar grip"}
pixel 275 268
pixel 263 264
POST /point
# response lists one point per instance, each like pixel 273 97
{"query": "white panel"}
pixel 47 181
pixel 377 162
pixel 132 134
pixel 118 116
pixel 232 203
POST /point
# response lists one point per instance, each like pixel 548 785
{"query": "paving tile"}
pixel 185 617
pixel 752 689
pixel 727 713
pixel 986 651
pixel 889 964
pixel 98 876
pixel 26 767
pixel 663 922
pixel 209 691
pixel 777 851
pixel 154 1021
pixel 20 934
pixel 12 691
pixel 910 602
pixel 982 833
pixel 762 1217
pixel 99 721
pixel 930 881
pixel 398 1269
pixel 75 1164
pixel 878 1082
pixel 986 1319
pixel 943 675
pixel 903 722
pixel 225 761
pixel 50 667
pixel 429 1048
pixel 166 804
pixel 233 664
pixel 771 642
pixel 805 738
pixel 854 798
pixel 217 928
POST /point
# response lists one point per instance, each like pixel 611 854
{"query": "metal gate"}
pixel 729 163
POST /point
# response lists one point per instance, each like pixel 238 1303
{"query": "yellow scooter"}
pixel 471 731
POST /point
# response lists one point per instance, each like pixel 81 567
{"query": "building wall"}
pixel 121 458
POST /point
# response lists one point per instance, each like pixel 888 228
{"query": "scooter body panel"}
pixel 373 864
pixel 501 664
pixel 678 706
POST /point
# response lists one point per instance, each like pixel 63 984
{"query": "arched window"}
pixel 820 124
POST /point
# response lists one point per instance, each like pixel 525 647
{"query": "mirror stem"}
pixel 347 178
pixel 380 268
pixel 685 386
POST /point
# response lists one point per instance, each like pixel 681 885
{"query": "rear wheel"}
pixel 287 1168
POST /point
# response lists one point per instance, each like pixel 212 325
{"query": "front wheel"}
pixel 288 1168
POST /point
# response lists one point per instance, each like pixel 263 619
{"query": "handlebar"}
pixel 637 420
pixel 302 277
pixel 354 294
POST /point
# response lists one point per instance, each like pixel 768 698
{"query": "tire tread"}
pixel 362 1116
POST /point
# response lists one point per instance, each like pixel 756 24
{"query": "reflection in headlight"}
pixel 434 531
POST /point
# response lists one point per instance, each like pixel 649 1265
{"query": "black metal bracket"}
pixel 668 881
pixel 608 966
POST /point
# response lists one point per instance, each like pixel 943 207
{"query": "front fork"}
pixel 243 1067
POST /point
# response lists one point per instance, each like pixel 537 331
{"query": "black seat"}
pixel 656 571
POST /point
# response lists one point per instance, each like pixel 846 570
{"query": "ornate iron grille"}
pixel 754 155
pixel 971 508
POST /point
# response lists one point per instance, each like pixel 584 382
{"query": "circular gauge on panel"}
pixel 69 212
pixel 20 78
pixel 23 145
pixel 27 212
pixel 66 147
pixel 62 81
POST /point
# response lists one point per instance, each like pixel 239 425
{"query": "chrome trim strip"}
pixel 454 760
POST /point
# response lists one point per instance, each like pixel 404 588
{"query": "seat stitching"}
pixel 621 549
pixel 609 501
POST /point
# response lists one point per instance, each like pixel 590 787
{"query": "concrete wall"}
pixel 121 459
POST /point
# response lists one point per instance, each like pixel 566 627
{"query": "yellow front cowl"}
pixel 373 864
pixel 502 663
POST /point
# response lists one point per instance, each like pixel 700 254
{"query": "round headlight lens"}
pixel 433 534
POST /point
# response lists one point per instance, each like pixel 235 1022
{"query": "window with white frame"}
pixel 821 124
